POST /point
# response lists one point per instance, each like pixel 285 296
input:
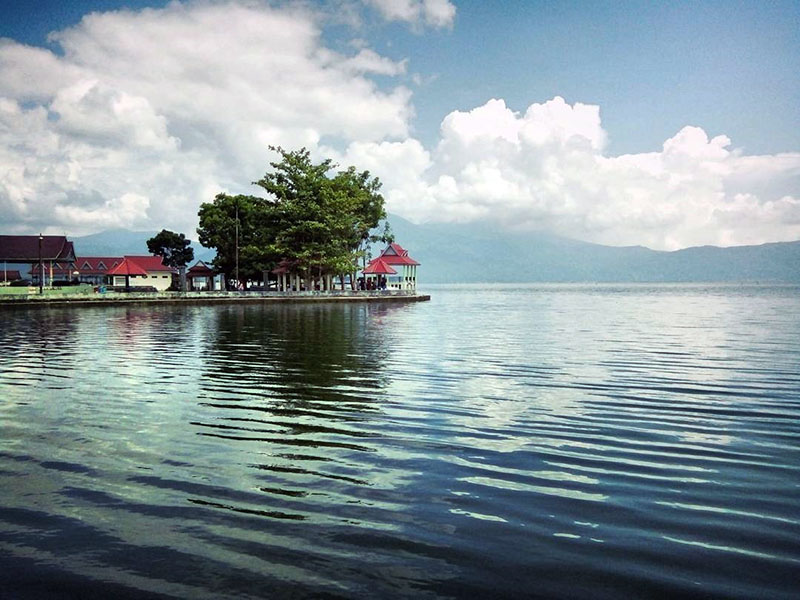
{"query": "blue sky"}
pixel 729 67
pixel 671 85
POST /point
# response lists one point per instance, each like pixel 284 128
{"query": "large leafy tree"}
pixel 174 249
pixel 317 223
pixel 244 223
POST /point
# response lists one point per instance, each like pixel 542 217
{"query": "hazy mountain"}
pixel 480 252
pixel 452 253
pixel 119 242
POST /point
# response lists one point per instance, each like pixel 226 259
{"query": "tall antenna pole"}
pixel 237 245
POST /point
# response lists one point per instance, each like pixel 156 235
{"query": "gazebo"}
pixel 200 276
pixel 396 257
pixel 376 273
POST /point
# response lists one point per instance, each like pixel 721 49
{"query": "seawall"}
pixel 213 297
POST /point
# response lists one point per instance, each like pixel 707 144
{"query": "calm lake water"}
pixel 535 441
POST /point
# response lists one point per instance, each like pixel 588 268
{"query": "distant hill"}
pixel 119 242
pixel 466 253
pixel 458 253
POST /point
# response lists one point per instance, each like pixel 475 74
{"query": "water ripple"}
pixel 557 441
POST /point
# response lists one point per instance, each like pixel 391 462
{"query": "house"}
pixel 142 271
pixel 95 269
pixel 86 269
pixel 42 251
pixel 396 266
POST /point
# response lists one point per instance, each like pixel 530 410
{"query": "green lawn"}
pixel 65 291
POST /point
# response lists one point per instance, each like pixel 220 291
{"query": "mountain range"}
pixel 466 253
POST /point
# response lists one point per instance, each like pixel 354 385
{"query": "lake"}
pixel 498 441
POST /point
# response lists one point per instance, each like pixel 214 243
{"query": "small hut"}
pixel 395 257
pixel 376 273
pixel 200 276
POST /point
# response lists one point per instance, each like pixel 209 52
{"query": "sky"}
pixel 663 124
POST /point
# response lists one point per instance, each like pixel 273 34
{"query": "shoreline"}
pixel 214 297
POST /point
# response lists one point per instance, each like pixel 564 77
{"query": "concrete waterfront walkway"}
pixel 209 297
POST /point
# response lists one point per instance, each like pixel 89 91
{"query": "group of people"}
pixel 378 283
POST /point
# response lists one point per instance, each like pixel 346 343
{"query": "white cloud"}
pixel 436 13
pixel 165 104
pixel 146 114
pixel 125 211
pixel 369 61
pixel 546 169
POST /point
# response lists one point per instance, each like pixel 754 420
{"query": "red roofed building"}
pixel 95 269
pixel 399 269
pixel 43 251
pixel 88 269
pixel 142 271
pixel 25 248
pixel 7 276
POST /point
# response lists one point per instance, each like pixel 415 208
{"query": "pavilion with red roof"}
pixel 201 276
pixel 395 266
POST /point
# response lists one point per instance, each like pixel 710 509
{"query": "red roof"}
pixel 96 265
pixel 86 265
pixel 150 263
pixel 395 254
pixel 9 275
pixel 200 269
pixel 25 248
pixel 139 265
pixel 127 267
pixel 379 267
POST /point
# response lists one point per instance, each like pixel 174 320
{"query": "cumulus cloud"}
pixel 147 114
pixel 169 104
pixel 436 13
pixel 547 169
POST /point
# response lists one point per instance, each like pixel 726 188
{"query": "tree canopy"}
pixel 173 248
pixel 313 222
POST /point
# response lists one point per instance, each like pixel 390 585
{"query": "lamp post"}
pixel 237 245
pixel 41 266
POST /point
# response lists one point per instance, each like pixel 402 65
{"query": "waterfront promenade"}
pixel 209 297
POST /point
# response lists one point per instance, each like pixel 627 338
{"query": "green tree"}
pixel 242 229
pixel 319 224
pixel 174 249
pixel 325 221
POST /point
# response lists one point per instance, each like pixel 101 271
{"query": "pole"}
pixel 41 266
pixel 237 246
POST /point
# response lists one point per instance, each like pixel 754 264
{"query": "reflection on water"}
pixel 544 441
